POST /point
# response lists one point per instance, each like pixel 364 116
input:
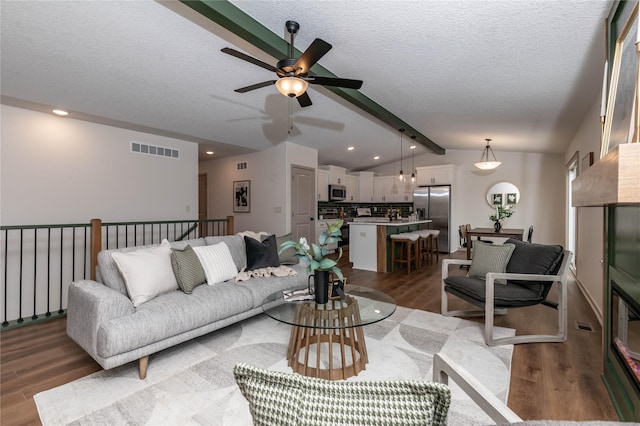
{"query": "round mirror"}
pixel 503 194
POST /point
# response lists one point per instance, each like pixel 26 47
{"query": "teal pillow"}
pixel 187 269
pixel 490 258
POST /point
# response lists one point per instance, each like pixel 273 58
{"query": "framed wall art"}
pixel 242 196
pixel 587 161
pixel 620 123
pixel 497 199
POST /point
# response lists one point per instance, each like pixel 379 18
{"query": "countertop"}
pixel 385 222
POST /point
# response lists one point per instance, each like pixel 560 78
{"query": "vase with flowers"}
pixel 501 214
pixel 315 256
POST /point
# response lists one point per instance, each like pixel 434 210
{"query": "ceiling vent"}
pixel 157 151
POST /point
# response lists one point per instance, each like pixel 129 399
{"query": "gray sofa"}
pixel 104 322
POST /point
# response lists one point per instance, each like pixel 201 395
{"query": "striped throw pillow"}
pixel 490 258
pixel 217 262
pixel 187 269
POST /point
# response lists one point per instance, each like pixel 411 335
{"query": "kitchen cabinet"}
pixel 336 174
pixel 323 185
pixel 365 187
pixel 352 185
pixel 435 175
pixel 389 189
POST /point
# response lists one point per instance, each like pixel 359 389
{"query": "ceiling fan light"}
pixel 291 86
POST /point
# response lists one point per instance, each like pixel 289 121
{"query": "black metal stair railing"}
pixel 40 261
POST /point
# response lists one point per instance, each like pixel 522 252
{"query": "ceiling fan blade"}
pixel 304 100
pixel 314 52
pixel 255 86
pixel 334 81
pixel 248 58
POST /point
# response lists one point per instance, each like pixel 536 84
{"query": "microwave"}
pixel 337 192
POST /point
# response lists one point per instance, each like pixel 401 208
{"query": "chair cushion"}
pixel 490 258
pixel 530 258
pixel 277 398
pixel 506 296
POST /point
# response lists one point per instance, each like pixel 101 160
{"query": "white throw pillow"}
pixel 147 273
pixel 217 262
pixel 255 235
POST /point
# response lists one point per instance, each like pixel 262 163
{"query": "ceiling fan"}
pixel 293 74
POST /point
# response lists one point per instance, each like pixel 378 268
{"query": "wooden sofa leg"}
pixel 143 363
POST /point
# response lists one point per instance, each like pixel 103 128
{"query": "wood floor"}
pixel 554 381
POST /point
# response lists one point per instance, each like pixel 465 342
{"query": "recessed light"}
pixel 412 147
pixel 209 152
pixel 60 112
pixel 377 157
pixel 350 148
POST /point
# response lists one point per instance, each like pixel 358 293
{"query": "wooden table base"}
pixel 319 328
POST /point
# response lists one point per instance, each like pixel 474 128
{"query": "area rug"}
pixel 192 384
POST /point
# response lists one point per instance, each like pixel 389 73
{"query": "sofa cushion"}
pixel 172 314
pixel 261 254
pixel 108 273
pixel 236 247
pixel 217 262
pixel 490 258
pixel 147 272
pixel 187 269
pixel 261 287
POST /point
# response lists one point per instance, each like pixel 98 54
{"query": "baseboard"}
pixel 596 309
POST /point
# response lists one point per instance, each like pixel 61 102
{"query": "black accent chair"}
pixel 530 273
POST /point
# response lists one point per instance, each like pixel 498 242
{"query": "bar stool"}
pixel 408 246
pixel 435 248
pixel 425 246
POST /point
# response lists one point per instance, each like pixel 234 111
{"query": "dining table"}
pixel 491 232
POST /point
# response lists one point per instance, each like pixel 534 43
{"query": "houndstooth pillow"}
pixel 281 399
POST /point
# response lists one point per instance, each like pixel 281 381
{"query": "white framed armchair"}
pixel 526 280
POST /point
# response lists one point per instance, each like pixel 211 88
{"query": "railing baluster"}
pixel 48 272
pixel 61 266
pixel 20 283
pixel 35 274
pixel 6 267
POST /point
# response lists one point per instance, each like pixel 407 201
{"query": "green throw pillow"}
pixel 490 258
pixel 288 256
pixel 187 269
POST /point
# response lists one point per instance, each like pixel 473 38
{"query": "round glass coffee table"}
pixel 326 340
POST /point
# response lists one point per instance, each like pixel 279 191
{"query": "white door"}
pixel 303 203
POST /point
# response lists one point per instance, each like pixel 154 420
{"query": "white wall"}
pixel 270 174
pixel 56 170
pixel 539 177
pixel 590 242
pixel 60 170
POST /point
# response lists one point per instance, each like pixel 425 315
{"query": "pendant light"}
pixel 485 163
pixel 413 164
pixel 401 174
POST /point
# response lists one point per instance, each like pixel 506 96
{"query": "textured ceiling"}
pixel 523 73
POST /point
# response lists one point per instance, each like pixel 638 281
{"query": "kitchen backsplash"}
pixel 377 209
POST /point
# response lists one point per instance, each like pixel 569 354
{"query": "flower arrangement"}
pixel 501 213
pixel 315 255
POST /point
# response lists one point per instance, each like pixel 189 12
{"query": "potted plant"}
pixel 501 214
pixel 316 258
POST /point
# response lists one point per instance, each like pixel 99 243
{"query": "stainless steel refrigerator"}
pixel 434 203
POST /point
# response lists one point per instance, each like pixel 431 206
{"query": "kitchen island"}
pixel 369 242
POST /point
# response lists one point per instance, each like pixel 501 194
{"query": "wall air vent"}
pixel 157 151
pixel 241 166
